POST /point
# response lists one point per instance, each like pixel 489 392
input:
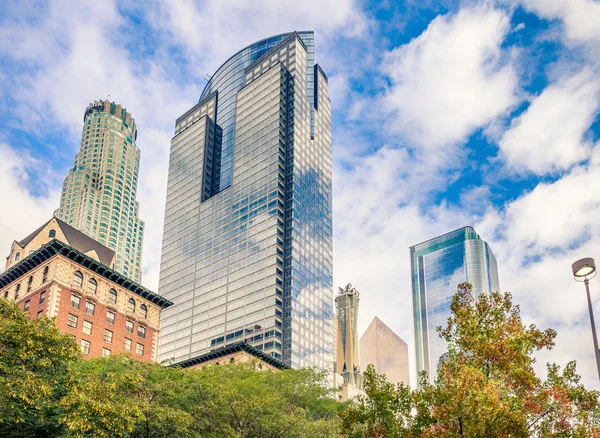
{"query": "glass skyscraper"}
pixel 99 192
pixel 438 266
pixel 247 244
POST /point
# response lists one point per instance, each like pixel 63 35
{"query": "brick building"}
pixel 57 271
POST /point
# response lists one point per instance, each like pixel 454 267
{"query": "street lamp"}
pixel 584 270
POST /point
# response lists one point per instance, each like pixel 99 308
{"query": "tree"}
pixel 35 359
pixel 47 390
pixel 486 387
pixel 120 396
pixel 237 401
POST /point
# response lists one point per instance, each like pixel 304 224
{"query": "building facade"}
pixel 247 243
pixel 386 351
pixel 106 312
pixel 438 266
pixel 347 358
pixel 99 192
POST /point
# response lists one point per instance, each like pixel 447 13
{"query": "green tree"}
pixel 486 387
pixel 119 396
pixel 35 359
pixel 237 401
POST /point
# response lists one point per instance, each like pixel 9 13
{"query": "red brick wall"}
pixel 98 325
pixel 34 302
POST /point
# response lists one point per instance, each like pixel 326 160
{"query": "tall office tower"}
pixel 99 192
pixel 247 244
pixel 347 359
pixel 386 351
pixel 438 266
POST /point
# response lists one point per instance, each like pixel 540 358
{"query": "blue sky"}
pixel 446 114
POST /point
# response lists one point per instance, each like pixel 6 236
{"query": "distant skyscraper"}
pixel 99 192
pixel 388 353
pixel 347 359
pixel 438 266
pixel 247 244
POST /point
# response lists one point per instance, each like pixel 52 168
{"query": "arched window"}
pixel 92 285
pixel 143 311
pixel 29 281
pixel 112 296
pixel 131 305
pixel 259 366
pixel 52 234
pixel 17 290
pixel 17 256
pixel 78 279
pixel 232 360
pixel 45 276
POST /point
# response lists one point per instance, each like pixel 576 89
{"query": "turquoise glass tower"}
pixel 438 266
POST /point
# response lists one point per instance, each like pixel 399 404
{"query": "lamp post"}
pixel 586 269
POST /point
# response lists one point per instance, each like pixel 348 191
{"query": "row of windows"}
pixel 86 345
pixel 112 294
pixel 90 309
pixel 42 300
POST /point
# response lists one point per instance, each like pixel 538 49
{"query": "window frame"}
pixel 113 296
pixel 88 346
pixel 78 307
pixel 84 327
pixel 78 279
pixel 69 321
pixel 94 289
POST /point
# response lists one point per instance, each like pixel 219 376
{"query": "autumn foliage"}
pixel 486 387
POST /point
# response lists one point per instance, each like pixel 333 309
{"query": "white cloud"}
pixel 581 18
pixel 536 238
pixel 22 211
pixel 216 29
pixel 549 135
pixel 452 79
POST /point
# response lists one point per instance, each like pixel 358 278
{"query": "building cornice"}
pixel 56 247
pixel 234 348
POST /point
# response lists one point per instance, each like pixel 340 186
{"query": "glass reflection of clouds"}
pixel 438 266
pixel 247 246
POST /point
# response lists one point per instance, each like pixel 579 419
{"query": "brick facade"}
pixel 57 279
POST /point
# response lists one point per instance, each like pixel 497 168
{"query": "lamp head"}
pixel 584 268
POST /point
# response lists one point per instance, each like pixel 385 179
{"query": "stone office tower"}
pixel 438 266
pixel 247 244
pixel 99 192
pixel 347 358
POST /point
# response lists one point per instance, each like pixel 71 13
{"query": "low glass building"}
pixel 438 266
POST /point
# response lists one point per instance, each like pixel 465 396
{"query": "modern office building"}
pixel 347 358
pixel 438 266
pixel 386 351
pixel 59 272
pixel 99 192
pixel 247 243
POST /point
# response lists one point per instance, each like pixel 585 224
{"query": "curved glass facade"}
pixel 438 266
pixel 229 79
pixel 247 243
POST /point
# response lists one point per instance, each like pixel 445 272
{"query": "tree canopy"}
pixel 47 390
pixel 486 387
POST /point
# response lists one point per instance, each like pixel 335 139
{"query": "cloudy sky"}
pixel 446 113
